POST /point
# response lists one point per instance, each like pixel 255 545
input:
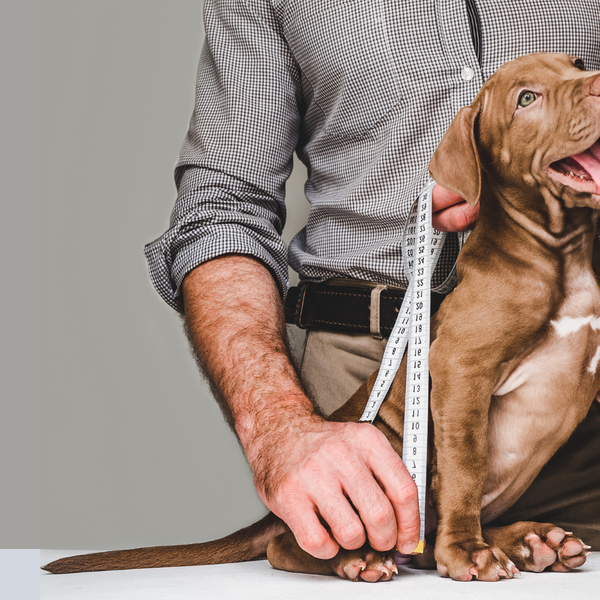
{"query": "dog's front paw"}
pixel 474 560
pixel 364 564
pixel 539 546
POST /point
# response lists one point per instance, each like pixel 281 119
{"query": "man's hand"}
pixel 332 483
pixel 345 475
pixel 451 212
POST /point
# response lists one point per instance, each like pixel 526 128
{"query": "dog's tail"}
pixel 249 543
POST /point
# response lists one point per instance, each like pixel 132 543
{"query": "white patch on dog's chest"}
pixel 568 325
pixel 594 362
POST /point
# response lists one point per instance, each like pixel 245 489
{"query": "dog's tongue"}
pixel 590 161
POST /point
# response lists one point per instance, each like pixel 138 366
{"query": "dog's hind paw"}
pixel 474 560
pixel 539 546
pixel 364 564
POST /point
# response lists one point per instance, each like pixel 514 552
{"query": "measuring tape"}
pixel 421 249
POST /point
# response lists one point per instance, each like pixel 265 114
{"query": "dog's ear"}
pixel 455 163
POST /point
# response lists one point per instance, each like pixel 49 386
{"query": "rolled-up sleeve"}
pixel 237 154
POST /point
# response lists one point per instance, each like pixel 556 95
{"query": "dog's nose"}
pixel 595 86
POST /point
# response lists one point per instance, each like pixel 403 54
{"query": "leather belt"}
pixel 348 305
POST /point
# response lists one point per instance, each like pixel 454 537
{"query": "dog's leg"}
pixel 538 546
pixel 460 414
pixel 361 564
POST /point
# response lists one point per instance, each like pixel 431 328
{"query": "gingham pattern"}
pixel 362 91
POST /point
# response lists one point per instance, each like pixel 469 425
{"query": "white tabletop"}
pixel 258 580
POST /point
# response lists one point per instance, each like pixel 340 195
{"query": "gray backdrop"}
pixel 133 448
pixel 20 289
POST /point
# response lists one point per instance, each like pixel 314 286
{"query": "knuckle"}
pixel 466 216
pixel 313 542
pixel 405 493
pixel 409 493
pixel 284 490
pixel 371 435
pixel 460 220
pixel 334 452
pixel 288 499
pixel 410 528
pixel 351 536
pixel 312 469
pixel 399 472
pixel 381 515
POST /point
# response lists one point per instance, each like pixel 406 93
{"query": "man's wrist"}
pixel 272 419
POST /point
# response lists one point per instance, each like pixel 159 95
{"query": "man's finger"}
pixel 310 534
pixel 459 217
pixel 375 509
pixel 405 500
pixel 450 211
pixel 346 526
pixel 399 487
pixel 441 198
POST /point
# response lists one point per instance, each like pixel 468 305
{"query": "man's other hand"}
pixel 451 212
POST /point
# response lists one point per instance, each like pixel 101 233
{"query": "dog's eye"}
pixel 526 98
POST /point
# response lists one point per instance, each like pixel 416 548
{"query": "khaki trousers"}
pixel 567 490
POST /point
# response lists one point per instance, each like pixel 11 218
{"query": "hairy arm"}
pixel 306 469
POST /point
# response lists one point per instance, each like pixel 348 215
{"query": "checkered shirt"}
pixel 362 91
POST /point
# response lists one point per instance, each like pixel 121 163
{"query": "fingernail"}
pixel 408 547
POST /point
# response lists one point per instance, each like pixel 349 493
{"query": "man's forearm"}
pixel 234 317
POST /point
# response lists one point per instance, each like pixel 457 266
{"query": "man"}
pixel 362 92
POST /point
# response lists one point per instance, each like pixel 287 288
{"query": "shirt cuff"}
pixel 182 248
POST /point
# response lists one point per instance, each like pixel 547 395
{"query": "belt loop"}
pixel 303 287
pixel 374 309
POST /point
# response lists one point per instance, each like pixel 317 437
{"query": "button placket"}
pixel 454 26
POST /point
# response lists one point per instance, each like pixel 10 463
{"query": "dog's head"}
pixel 533 128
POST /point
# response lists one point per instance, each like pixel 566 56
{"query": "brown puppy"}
pixel 515 361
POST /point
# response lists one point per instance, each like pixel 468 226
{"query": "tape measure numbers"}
pixel 421 248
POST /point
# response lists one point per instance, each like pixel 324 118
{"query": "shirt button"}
pixel 467 73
